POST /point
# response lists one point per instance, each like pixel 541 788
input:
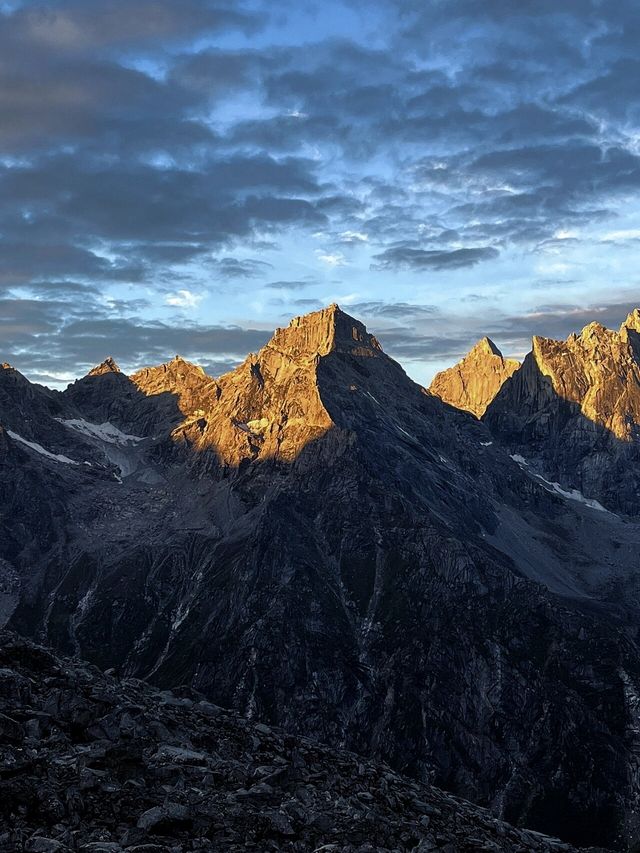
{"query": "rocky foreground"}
pixel 90 763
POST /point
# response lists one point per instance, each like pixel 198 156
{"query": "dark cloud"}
pixel 21 262
pixel 148 142
pixel 228 268
pixel 83 26
pixel 49 336
pixel 393 310
pixel 408 257
pixel 290 285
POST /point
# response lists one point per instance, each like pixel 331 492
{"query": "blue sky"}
pixel 184 177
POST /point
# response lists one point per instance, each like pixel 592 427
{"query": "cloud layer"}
pixel 184 176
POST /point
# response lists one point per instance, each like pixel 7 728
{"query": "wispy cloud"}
pixel 184 299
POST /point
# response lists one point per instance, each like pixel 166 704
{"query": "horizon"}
pixel 186 178
pixel 121 367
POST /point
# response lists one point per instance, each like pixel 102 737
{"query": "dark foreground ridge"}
pixel 90 763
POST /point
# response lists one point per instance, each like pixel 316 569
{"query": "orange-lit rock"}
pixel 474 382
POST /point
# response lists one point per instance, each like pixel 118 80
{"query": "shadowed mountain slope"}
pixel 316 541
pixel 573 410
pixel 95 764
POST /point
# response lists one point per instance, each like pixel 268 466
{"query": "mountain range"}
pixel 443 579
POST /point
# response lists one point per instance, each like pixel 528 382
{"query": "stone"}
pixel 473 383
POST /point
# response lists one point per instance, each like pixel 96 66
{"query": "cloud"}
pixel 331 259
pixel 184 299
pixel 150 149
pixel 291 285
pixel 46 335
pixel 230 268
pixel 407 257
pixel 354 237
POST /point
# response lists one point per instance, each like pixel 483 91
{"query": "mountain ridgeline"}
pixel 316 542
pixel 572 410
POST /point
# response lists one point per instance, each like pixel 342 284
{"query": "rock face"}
pixel 107 366
pixel 318 543
pixel 474 382
pixel 573 410
pixel 89 763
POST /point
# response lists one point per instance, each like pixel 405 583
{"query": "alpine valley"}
pixel 444 582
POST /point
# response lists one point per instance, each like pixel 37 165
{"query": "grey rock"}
pixel 317 539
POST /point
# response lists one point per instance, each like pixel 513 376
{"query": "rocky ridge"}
pixel 573 412
pixel 474 382
pixel 316 542
pixel 89 763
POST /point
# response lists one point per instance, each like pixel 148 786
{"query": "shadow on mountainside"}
pixel 114 397
pixel 343 591
pixel 532 419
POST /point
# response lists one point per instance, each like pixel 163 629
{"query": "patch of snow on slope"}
pixel 569 494
pixel 104 432
pixel 519 459
pixel 57 457
pixel 574 495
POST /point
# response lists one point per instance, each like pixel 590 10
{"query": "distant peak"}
pixel 632 321
pixel 107 366
pixel 325 331
pixel 487 347
pixel 593 329
pixel 473 383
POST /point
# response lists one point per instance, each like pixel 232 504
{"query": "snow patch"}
pixel 574 495
pixel 488 444
pixel 103 432
pixel 519 459
pixel 569 494
pixel 56 457
pixel 181 614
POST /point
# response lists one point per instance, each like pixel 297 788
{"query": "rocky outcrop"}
pixel 573 410
pixel 107 366
pixel 322 545
pixel 187 383
pixel 89 763
pixel 474 382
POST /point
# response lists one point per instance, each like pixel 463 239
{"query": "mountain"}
pixel 474 382
pixel 318 543
pixel 180 773
pixel 571 411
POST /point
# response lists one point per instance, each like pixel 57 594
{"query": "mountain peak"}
pixel 473 382
pixel 322 332
pixel 632 322
pixel 485 345
pixel 107 366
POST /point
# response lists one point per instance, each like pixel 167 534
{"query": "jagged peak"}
pixel 107 366
pixel 177 363
pixel 322 332
pixel 485 346
pixel 594 330
pixel 632 322
pixel 6 366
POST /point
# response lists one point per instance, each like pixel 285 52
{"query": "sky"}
pixel 183 177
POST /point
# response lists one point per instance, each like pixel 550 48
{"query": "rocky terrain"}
pixel 89 763
pixel 317 543
pixel 571 411
pixel 474 382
